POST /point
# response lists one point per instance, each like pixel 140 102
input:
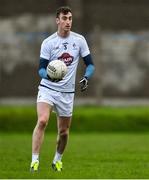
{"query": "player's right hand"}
pixel 53 80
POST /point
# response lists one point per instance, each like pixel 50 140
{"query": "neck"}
pixel 63 33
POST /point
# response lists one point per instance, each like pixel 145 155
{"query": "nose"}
pixel 68 21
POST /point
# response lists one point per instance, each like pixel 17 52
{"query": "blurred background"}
pixel 117 32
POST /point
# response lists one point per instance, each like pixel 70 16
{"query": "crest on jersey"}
pixel 74 46
pixel 66 58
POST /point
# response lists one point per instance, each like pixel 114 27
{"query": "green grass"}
pixel 106 155
pixel 85 119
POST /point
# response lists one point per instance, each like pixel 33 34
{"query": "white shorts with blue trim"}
pixel 62 102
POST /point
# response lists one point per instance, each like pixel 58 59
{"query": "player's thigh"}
pixel 64 104
pixel 63 124
pixel 43 111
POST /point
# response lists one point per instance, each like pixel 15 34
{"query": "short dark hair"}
pixel 64 9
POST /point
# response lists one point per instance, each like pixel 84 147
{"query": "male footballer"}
pixel 68 47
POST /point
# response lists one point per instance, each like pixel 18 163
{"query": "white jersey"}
pixel 69 50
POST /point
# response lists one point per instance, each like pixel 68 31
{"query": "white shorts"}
pixel 61 102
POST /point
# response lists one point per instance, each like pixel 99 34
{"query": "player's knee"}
pixel 64 132
pixel 42 122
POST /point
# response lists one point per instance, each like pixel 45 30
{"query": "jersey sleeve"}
pixel 84 49
pixel 45 50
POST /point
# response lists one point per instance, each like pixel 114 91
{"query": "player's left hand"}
pixel 84 83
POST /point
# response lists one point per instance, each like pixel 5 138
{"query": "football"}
pixel 56 69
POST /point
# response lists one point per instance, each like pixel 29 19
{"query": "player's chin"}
pixel 67 29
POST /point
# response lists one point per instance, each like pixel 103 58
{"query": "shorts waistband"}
pixel 54 89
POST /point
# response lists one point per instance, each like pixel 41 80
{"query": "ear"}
pixel 57 21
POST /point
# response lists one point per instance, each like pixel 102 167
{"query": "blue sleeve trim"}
pixel 90 66
pixel 42 68
pixel 88 59
pixel 89 71
pixel 43 63
pixel 43 73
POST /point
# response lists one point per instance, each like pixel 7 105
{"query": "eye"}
pixel 64 18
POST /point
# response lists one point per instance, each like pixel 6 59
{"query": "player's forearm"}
pixel 43 73
pixel 42 68
pixel 89 71
pixel 90 68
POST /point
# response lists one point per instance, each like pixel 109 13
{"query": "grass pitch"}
pixel 107 155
